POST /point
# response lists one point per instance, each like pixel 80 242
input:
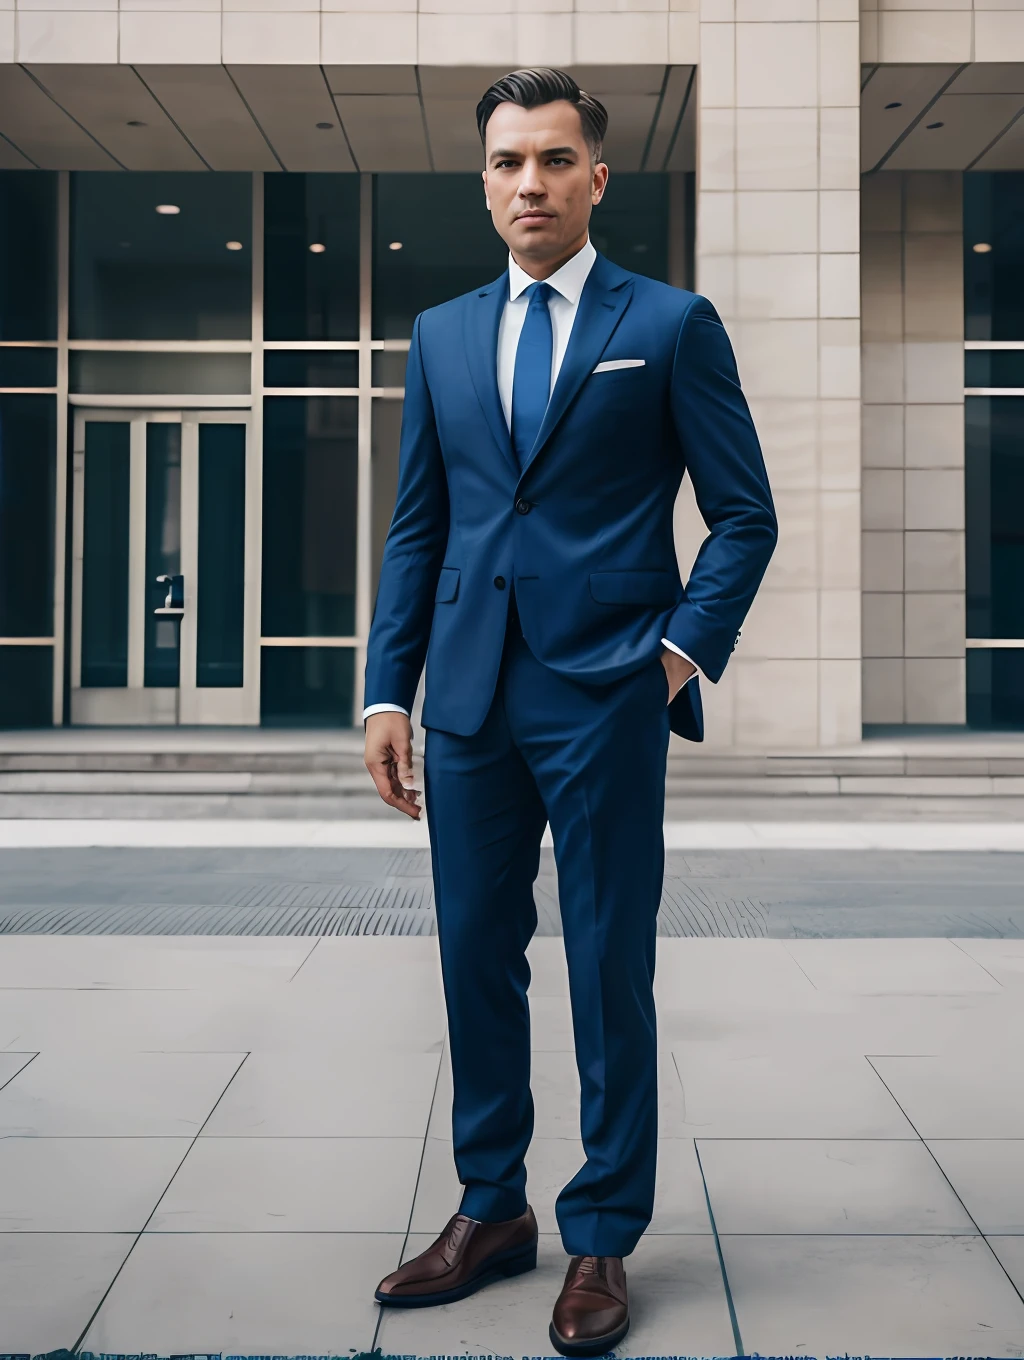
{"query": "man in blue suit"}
pixel 530 563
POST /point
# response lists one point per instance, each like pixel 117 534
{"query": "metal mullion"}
pixel 995 644
pixel 189 519
pixel 156 402
pixel 253 569
pixel 26 641
pixel 311 391
pixel 29 391
pixel 164 346
pixel 319 344
pixel 364 493
pixel 61 451
pixel 993 344
pixel 77 548
pixel 137 553
pixel 313 641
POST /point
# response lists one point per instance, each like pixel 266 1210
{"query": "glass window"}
pixel 28 368
pixel 309 516
pixel 310 368
pixel 432 240
pixel 161 256
pixel 388 368
pixel 28 255
pixel 995 516
pixel 105 554
pixel 994 368
pixel 26 686
pixel 995 688
pixel 28 441
pixel 630 224
pixel 145 374
pixel 311 275
pixel 387 432
pixel 994 256
pixel 221 602
pixel 307 686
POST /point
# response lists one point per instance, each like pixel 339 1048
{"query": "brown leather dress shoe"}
pixel 592 1311
pixel 465 1257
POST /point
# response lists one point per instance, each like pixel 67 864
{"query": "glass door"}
pixel 162 627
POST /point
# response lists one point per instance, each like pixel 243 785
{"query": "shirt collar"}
pixel 568 281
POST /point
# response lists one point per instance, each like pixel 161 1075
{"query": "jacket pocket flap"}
pixel 447 585
pixel 634 587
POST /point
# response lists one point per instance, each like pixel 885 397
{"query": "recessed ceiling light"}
pixel 317 248
pixel 896 104
pixel 324 126
pixel 168 209
pixel 395 245
pixel 233 245
pixel 932 126
pixel 136 122
pixel 982 248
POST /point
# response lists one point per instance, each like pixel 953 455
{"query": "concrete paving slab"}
pixel 103 1095
pixel 828 1186
pixel 11 1064
pixel 262 1293
pixel 988 1175
pixel 677 1300
pixel 890 967
pixel 1010 1253
pixel 926 1295
pixel 51 1283
pixel 978 1093
pixel 80 1185
pixel 364 1093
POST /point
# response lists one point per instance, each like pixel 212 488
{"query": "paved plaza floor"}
pixel 221 1143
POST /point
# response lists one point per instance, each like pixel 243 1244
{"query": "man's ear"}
pixel 483 176
pixel 599 183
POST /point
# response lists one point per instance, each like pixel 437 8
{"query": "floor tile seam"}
pixel 29 1057
pixel 379 1321
pixel 955 942
pixel 1016 1289
pixel 316 946
pixel 730 1302
pixel 74 1349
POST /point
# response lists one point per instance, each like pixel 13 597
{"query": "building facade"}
pixel 218 222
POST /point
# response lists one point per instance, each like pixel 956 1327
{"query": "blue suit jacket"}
pixel 585 530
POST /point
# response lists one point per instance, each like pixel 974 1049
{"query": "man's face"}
pixel 539 181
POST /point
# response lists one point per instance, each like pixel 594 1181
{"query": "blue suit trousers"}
pixel 589 759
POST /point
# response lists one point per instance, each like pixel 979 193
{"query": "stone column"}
pixel 777 253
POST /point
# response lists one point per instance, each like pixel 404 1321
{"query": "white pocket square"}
pixel 611 364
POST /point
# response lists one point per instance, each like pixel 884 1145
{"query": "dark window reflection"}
pixel 28 368
pixel 28 255
pixel 105 554
pixel 163 550
pixel 307 686
pixel 388 367
pixel 309 516
pixel 140 274
pixel 995 688
pixel 630 224
pixel 994 368
pixel 27 459
pixel 221 585
pixel 995 516
pixel 387 431
pixel 26 686
pixel 152 374
pixel 310 368
pixel 311 294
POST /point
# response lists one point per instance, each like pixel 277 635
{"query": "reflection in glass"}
pixel 994 368
pixel 143 374
pixel 387 431
pixel 311 295
pixel 995 688
pixel 163 551
pixel 28 367
pixel 630 224
pixel 310 368
pixel 449 246
pixel 307 686
pixel 388 367
pixel 138 274
pixel 27 451
pixel 28 255
pixel 995 516
pixel 221 584
pixel 105 554
pixel 309 516
pixel 26 686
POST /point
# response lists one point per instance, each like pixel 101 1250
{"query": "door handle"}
pixel 174 604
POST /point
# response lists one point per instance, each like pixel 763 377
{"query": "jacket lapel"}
pixel 606 295
pixel 483 317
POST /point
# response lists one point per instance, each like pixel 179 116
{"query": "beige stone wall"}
pixel 777 252
pixel 913 448
pixel 942 30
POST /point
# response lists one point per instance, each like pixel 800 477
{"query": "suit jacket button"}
pixel 523 506
pixel 499 581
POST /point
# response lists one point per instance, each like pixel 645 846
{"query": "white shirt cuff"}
pixel 679 652
pixel 384 708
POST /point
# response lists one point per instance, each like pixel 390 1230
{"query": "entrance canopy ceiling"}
pixel 307 118
pixel 943 117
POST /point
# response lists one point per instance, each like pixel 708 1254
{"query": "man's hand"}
pixel 388 757
pixel 677 669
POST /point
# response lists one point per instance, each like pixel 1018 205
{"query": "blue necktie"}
pixel 531 383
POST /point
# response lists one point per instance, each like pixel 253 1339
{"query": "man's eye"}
pixel 505 165
pixel 559 160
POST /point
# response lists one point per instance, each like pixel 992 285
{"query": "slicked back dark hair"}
pixel 544 85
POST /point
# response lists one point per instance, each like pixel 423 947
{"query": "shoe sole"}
pixel 600 1345
pixel 501 1267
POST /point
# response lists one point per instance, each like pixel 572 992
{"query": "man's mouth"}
pixel 535 215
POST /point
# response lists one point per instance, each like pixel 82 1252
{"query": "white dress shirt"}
pixel 567 287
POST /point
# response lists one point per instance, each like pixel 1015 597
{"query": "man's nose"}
pixel 531 185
